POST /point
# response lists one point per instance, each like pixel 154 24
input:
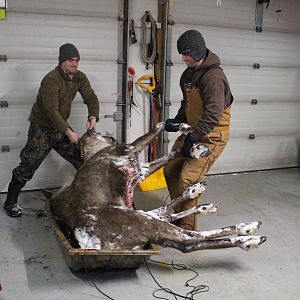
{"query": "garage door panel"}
pixel 238 14
pixel 246 47
pixel 14 133
pixel 263 131
pixel 13 73
pixel 242 154
pixel 41 37
pixel 21 98
pixel 267 152
pixel 264 84
pixel 66 7
pixel 30 37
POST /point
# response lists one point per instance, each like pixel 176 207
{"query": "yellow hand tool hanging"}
pixel 150 85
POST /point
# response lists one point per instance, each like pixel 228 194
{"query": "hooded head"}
pixel 67 51
pixel 191 43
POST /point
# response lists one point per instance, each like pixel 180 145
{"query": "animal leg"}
pixel 190 193
pixel 188 244
pixel 248 228
pixel 148 168
pixel 188 241
pixel 203 209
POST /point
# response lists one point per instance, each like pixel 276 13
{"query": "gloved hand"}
pixel 172 125
pixel 191 139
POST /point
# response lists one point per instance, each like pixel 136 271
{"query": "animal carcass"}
pixel 96 209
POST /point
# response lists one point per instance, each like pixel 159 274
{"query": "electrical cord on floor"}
pixel 190 295
pixel 95 285
pixel 94 282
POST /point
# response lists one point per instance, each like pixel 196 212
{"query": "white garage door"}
pixel 228 28
pixel 30 38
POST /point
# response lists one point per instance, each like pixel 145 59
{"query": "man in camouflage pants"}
pixel 48 122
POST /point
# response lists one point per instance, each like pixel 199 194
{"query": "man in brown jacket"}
pixel 49 128
pixel 206 108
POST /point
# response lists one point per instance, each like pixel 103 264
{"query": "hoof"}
pixel 250 242
pixel 194 190
pixel 199 150
pixel 144 171
pixel 185 128
pixel 160 125
pixel 248 228
pixel 205 209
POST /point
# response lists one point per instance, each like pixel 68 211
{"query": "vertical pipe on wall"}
pixel 165 66
pixel 121 116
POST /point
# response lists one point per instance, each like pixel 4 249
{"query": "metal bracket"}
pixel 259 14
pixel 170 63
pixel 264 1
pixel 3 57
pixel 251 136
pixel 5 148
pixel 254 101
pixel 121 62
pixel 116 116
pixel 3 104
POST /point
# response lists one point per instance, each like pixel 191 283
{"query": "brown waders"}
pixel 184 172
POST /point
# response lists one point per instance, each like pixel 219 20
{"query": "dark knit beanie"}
pixel 67 51
pixel 192 43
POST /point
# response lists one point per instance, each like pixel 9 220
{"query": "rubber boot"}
pixel 10 205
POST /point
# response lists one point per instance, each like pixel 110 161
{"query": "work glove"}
pixel 172 125
pixel 191 139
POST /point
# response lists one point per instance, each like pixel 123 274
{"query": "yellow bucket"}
pixel 154 182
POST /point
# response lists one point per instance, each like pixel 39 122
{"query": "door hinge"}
pixel 3 104
pixel 3 57
pixel 251 136
pixel 5 148
pixel 116 116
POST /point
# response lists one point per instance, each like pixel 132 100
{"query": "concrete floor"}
pixel 32 265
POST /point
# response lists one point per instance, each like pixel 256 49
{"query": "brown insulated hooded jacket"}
pixel 214 91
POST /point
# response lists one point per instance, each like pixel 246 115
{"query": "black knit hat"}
pixel 192 43
pixel 67 51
